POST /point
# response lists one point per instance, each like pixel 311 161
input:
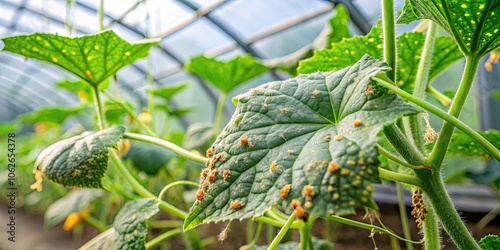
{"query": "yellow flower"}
pixel 144 117
pixel 39 179
pixel 493 59
pixel 40 127
pixel 123 146
pixel 74 219
pixel 84 97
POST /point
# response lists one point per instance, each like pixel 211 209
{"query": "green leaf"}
pixel 167 92
pixel 114 112
pixel 93 58
pixel 490 242
pixel 464 145
pixel 79 161
pixel 226 75
pixel 74 201
pixel 148 157
pixel 76 87
pixel 52 114
pixel 318 244
pixel 410 47
pixel 339 25
pixel 496 94
pixel 295 132
pixel 472 24
pixel 129 228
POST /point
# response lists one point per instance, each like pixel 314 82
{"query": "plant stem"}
pixel 249 232
pixel 151 95
pixel 495 152
pixel 404 217
pixel 369 227
pixel 95 223
pixel 255 237
pixel 282 232
pixel 220 110
pixel 389 35
pixel 101 16
pixel 446 101
pixel 305 236
pixel 443 141
pixel 404 147
pixel 269 221
pixel 165 224
pixel 156 241
pixel 398 177
pixel 431 227
pixel 395 159
pixel 421 82
pixel 433 187
pixel 132 114
pixel 168 145
pixel 175 183
pixel 98 108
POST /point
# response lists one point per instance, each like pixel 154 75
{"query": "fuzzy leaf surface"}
pixel 289 133
pixel 472 24
pixel 410 47
pixel 226 75
pixel 490 242
pixel 93 58
pixel 79 161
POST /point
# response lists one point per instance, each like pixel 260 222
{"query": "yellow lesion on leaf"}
pixel 74 219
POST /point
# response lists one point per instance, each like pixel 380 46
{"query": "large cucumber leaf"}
pixel 129 228
pixel 226 75
pixel 490 242
pixel 93 58
pixel 314 136
pixel 410 47
pixel 79 161
pixel 472 24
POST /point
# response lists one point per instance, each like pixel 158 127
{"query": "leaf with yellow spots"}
pixel 472 24
pixel 79 161
pixel 462 144
pixel 349 51
pixel 93 58
pixel 275 156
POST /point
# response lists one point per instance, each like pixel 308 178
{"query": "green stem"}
pixel 132 114
pixel 95 223
pixel 255 237
pixel 421 80
pixel 369 227
pixel 397 177
pixel 446 101
pixel 220 110
pixel 175 183
pixel 443 141
pixel 389 35
pixel 404 147
pixel 269 221
pixel 249 232
pixel 101 16
pixel 403 217
pixel 433 187
pixel 431 227
pixel 395 159
pixel 98 108
pixel 168 145
pixel 151 95
pixel 165 224
pixel 495 152
pixel 141 190
pixel 305 236
pixel 282 232
pixel 167 235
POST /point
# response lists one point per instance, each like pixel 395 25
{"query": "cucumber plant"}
pixel 296 150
